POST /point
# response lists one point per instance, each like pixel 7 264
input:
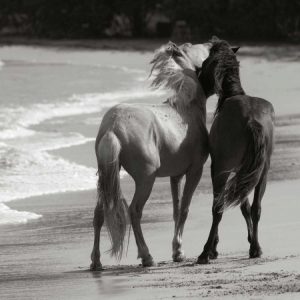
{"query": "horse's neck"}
pixel 189 104
pixel 199 108
pixel 195 111
pixel 231 86
pixel 200 102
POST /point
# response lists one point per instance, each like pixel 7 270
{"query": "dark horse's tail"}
pixel 244 179
pixel 109 191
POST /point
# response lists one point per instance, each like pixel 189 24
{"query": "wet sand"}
pixel 48 258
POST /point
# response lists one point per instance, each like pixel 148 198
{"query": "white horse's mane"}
pixel 168 71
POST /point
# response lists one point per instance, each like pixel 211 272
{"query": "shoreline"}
pixel 142 45
pixel 276 50
pixel 285 163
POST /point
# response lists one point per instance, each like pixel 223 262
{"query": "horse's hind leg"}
pixel 192 179
pixel 213 254
pixel 246 211
pixel 141 195
pixel 98 222
pixel 255 250
pixel 176 191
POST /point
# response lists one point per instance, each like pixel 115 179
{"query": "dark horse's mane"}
pixel 226 75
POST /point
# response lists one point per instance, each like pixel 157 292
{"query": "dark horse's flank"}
pixel 241 142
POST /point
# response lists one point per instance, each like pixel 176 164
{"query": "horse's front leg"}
pixel 175 182
pixel 210 248
pixel 176 194
pixel 192 179
pixel 211 244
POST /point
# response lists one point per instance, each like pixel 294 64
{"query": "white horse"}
pixel 150 141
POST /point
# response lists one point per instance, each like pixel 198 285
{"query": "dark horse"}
pixel 241 142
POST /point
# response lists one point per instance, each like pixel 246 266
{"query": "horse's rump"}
pixel 244 178
pixel 109 191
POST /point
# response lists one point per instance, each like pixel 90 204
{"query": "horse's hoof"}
pixel 96 266
pixel 179 257
pixel 203 259
pixel 213 254
pixel 148 262
pixel 255 252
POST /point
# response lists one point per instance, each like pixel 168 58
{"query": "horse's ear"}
pixel 235 49
pixel 173 49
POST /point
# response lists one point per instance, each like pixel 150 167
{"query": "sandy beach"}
pixel 48 257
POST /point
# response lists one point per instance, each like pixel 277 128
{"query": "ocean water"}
pixel 51 99
pixel 40 88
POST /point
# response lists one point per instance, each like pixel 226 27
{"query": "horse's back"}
pixel 122 115
pixel 143 124
pixel 248 107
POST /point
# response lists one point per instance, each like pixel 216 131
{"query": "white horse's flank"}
pixel 151 141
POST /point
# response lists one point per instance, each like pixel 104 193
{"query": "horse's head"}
pixel 174 67
pixel 221 61
pixel 189 56
pixel 185 56
pixel 196 54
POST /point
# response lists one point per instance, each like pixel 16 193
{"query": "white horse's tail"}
pixel 109 191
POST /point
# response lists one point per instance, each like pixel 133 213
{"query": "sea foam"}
pixel 27 169
pixel 11 216
pixel 15 122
